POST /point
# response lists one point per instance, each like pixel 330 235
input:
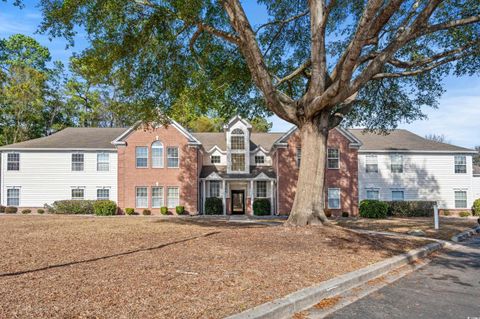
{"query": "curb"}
pixel 287 306
pixel 466 234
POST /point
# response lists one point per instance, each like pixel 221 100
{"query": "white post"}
pixel 251 196
pixel 224 200
pixel 203 196
pixel 435 216
pixel 271 197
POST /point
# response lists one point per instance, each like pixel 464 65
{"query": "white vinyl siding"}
pixel 333 158
pixel 13 197
pixel 173 197
pixel 13 161
pixel 141 197
pixel 460 164
pixel 103 162
pixel 172 157
pixel 141 157
pixel 78 162
pixel 334 198
pixel 157 197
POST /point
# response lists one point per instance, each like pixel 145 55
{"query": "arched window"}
pixel 237 131
pixel 237 139
pixel 157 154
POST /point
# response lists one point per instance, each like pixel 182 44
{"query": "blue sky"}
pixel 457 117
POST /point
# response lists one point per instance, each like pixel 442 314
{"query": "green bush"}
pixel 11 210
pixel 410 208
pixel 213 206
pixel 40 211
pixel 464 214
pixel 147 212
pixel 2 209
pixel 129 211
pixel 105 208
pixel 180 210
pixel 73 207
pixel 26 211
pixel 261 207
pixel 446 213
pixel 345 214
pixel 164 210
pixel 476 207
pixel 373 209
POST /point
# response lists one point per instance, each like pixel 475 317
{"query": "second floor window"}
pixel 460 164
pixel 238 162
pixel 157 154
pixel 103 160
pixel 261 190
pixel 77 162
pixel 172 157
pixel 215 159
pixel 259 159
pixel 333 158
pixel 214 188
pixel 396 165
pixel 371 164
pixel 141 156
pixel 13 162
pixel 237 140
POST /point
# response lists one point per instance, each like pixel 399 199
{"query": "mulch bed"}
pixel 134 267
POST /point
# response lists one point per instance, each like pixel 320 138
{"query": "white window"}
pixel 373 194
pixel 259 159
pixel 13 162
pixel 460 164
pixel 215 159
pixel 396 165
pixel 398 195
pixel 78 193
pixel 173 197
pixel 77 162
pixel 298 156
pixel 261 189
pixel 103 162
pixel 141 197
pixel 13 197
pixel 371 164
pixel 238 162
pixel 334 198
pixel 157 197
pixel 333 158
pixel 172 157
pixel 214 188
pixel 103 194
pixel 157 154
pixel 141 156
pixel 237 140
pixel 460 199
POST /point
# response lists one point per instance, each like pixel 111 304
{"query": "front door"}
pixel 238 202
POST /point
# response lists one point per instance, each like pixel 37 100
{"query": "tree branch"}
pixel 295 73
pixel 282 22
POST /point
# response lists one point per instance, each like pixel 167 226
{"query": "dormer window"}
pixel 259 159
pixel 215 159
pixel 237 139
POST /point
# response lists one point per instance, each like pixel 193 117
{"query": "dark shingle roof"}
pixel 264 140
pixel 73 138
pixel 401 140
pixel 222 172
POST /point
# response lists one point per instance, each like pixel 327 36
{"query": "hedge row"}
pixel 382 209
pixel 261 207
pixel 83 207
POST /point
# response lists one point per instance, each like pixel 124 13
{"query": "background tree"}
pixel 476 158
pixel 441 138
pixel 316 63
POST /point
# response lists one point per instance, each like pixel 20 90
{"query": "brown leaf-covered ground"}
pixel 140 267
pixel 449 226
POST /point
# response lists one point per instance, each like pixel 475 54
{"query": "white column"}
pixel 203 196
pixel 271 198
pixel 251 195
pixel 224 199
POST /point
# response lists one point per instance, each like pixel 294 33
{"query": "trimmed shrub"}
pixel 261 207
pixel 2 209
pixel 105 208
pixel 11 210
pixel 410 208
pixel 213 206
pixel 180 210
pixel 476 207
pixel 464 214
pixel 345 214
pixel 446 213
pixel 164 210
pixel 129 211
pixel 73 207
pixel 40 211
pixel 373 209
pixel 147 212
pixel 26 211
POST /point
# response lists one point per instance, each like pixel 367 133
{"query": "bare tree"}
pixel 441 138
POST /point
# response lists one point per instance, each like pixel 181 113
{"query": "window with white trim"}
pixel 141 197
pixel 13 196
pixel 238 162
pixel 259 159
pixel 460 164
pixel 103 162
pixel 373 193
pixel 78 193
pixel 261 189
pixel 460 199
pixel 157 154
pixel 298 156
pixel 237 139
pixel 396 165
pixel 398 195
pixel 78 160
pixel 103 193
pixel 215 159
pixel 371 164
pixel 157 197
pixel 333 158
pixel 13 162
pixel 334 198
pixel 173 197
pixel 214 188
pixel 172 157
pixel 141 157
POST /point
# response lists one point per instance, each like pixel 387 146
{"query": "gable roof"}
pixel 72 138
pixel 354 141
pixel 402 141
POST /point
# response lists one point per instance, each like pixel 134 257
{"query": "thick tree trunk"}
pixel 308 206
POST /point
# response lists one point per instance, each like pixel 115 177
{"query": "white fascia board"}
pixel 287 134
pixel 417 151
pixel 237 117
pixel 216 148
pixel 113 150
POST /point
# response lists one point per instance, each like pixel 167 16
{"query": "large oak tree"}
pixel 315 63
